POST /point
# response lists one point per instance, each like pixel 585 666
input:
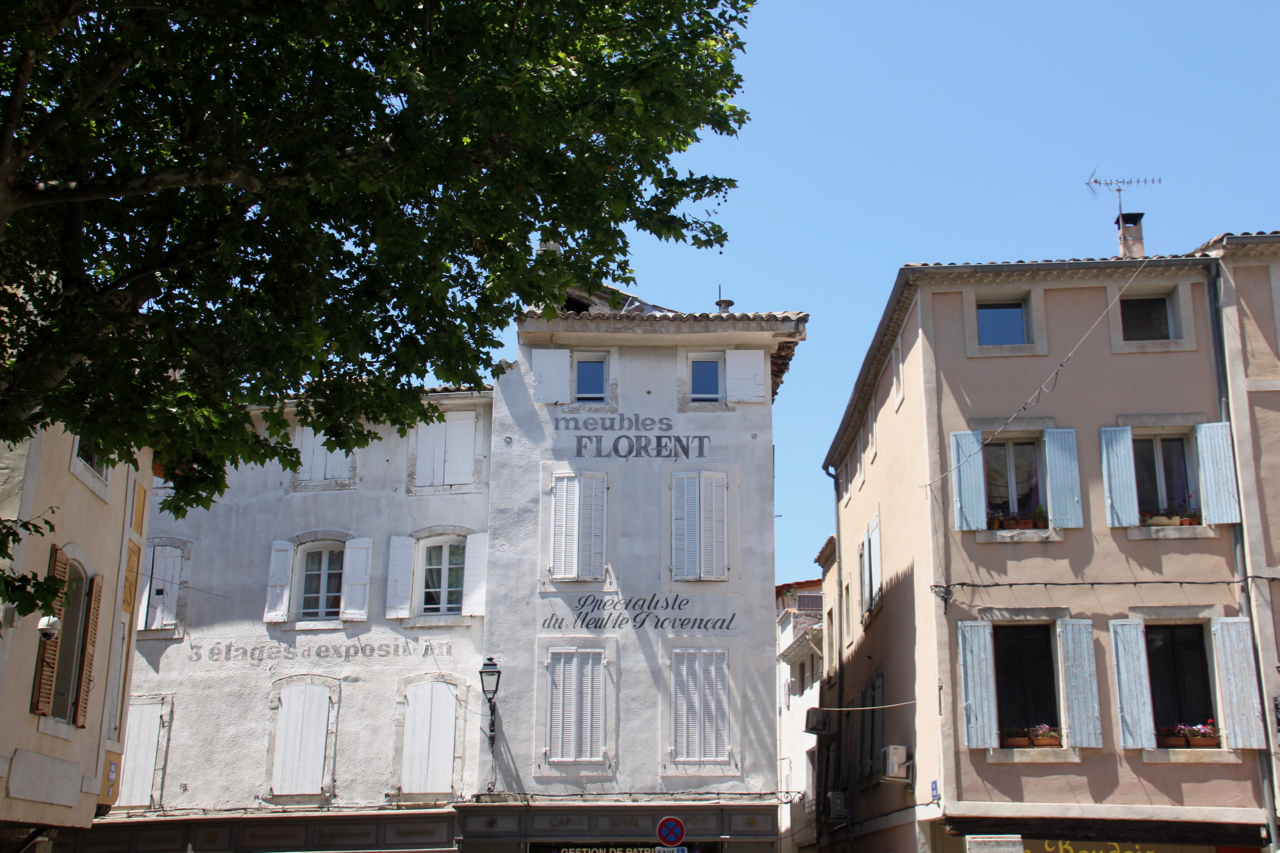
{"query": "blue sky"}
pixel 893 133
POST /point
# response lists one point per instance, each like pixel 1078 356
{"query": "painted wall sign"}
pixel 604 612
pixel 591 440
pixel 220 652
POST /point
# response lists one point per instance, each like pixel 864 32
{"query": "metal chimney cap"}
pixel 1129 219
pixel 724 305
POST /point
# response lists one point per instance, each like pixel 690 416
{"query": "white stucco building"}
pixel 799 620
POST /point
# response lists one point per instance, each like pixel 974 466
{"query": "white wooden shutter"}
pixel 1133 684
pixel 1080 682
pixel 873 541
pixel 592 497
pixel 968 481
pixel 564 527
pixel 459 448
pixel 714 707
pixel 864 576
pixel 475 574
pixel 302 728
pixel 357 557
pixel 430 713
pixel 1065 509
pixel 684 704
pixel 428 466
pixel 590 705
pixel 1118 478
pixel 1219 495
pixel 714 545
pixel 560 702
pixel 141 745
pixel 978 685
pixel 400 577
pixel 279 582
pixel 744 376
pixel 684 526
pixel 1239 706
pixel 337 463
pixel 142 607
pixel 550 375
pixel 311 467
pixel 166 575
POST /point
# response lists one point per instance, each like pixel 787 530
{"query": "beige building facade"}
pixel 1049 612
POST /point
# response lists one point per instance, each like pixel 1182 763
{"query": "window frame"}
pixel 704 356
pixel 334 686
pixel 420 546
pixel 97 482
pixel 301 483
pixel 576 357
pixel 299 578
pixel 1009 439
pixel 1055 663
pixel 1182 316
pixel 578 757
pixel 1190 458
pixel 701 758
pixel 462 695
pixel 1170 317
pixel 704 572
pixel 994 304
pixel 1033 317
pixel 143 605
pixel 1211 687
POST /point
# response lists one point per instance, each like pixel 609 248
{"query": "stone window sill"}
pixel 1048 534
pixel 317 625
pixel 1190 531
pixel 459 489
pixel 1191 756
pixel 443 620
pixel 174 633
pixel 1034 755
pixel 57 728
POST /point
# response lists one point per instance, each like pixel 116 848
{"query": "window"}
pixel 869 566
pixel 64 665
pixel 704 377
pixel 1153 475
pixel 1179 671
pixel 1012 473
pixel 898 390
pixel 831 642
pixel 1160 465
pixel 443 569
pixel 1032 472
pixel 699 546
pixel 300 745
pixel 700 702
pixel 321 583
pixel 319 465
pixel 158 595
pixel 1001 323
pixel 426 750
pixel 445 452
pixel 578 526
pixel 870 730
pixel 1026 682
pixel 322 579
pixel 1146 319
pixel 575 705
pixel 589 379
pixel 90 459
pixel 140 783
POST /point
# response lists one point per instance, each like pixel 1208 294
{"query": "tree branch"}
pixel 16 96
pixel 62 192
pixel 56 120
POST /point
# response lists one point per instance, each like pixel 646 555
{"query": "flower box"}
pixel 1164 521
pixel 1171 742
pixel 1053 741
pixel 1203 741
pixel 1014 742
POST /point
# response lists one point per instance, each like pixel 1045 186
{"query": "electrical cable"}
pixel 873 707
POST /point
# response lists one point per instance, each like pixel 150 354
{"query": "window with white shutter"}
pixel 301 740
pixel 977 685
pixel 550 375
pixel 579 504
pixel 430 718
pixel 700 705
pixel 575 705
pixel 158 590
pixel 699 539
pixel 319 464
pixel 140 775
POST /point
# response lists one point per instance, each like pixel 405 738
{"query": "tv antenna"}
pixel 1115 186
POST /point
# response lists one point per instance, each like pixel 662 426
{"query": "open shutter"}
pixel 428 466
pixel 559 705
pixel 141 744
pixel 47 655
pixel 1240 707
pixel 550 375
pixel 684 704
pixel 714 546
pixel 1065 509
pixel 978 685
pixel 1219 496
pixel 279 582
pixel 312 465
pixel 1118 478
pixel 590 703
pixel 142 598
pixel 1133 684
pixel 564 528
pixel 474 574
pixel 86 652
pixel 592 495
pixel 459 448
pixel 864 580
pixel 400 577
pixel 744 376
pixel 302 728
pixel 684 526
pixel 429 721
pixel 968 481
pixel 714 710
pixel 1080 680
pixel 357 558
pixel 873 557
pixel 166 576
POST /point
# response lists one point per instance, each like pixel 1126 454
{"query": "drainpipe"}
pixel 1267 769
pixel 839 626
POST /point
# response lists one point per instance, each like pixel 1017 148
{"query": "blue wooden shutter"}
pixel 1080 682
pixel 977 685
pixel 1133 684
pixel 873 559
pixel 1118 478
pixel 968 481
pixel 1064 478
pixel 1219 497
pixel 1240 708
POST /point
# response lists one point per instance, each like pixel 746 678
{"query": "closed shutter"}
pixel 357 558
pixel 475 574
pixel 592 494
pixel 968 481
pixel 714 564
pixel 873 545
pixel 684 704
pixel 87 651
pixel 429 721
pixel 560 710
pixel 337 463
pixel 744 376
pixel 684 526
pixel 141 745
pixel 550 375
pixel 564 527
pixel 400 577
pixel 428 466
pixel 1133 684
pixel 166 577
pixel 1219 496
pixel 1065 509
pixel 47 654
pixel 590 703
pixel 714 677
pixel 1118 478
pixel 279 581
pixel 1240 708
pixel 311 466
pixel 459 448
pixel 302 728
pixel 1080 683
pixel 978 685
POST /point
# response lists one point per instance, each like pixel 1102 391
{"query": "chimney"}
pixel 724 305
pixel 1130 227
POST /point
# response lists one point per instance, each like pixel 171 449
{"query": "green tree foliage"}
pixel 212 208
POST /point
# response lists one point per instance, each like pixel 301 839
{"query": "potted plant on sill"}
pixel 995 519
pixel 1014 739
pixel 1169 519
pixel 1203 736
pixel 1046 736
pixel 1041 517
pixel 1171 737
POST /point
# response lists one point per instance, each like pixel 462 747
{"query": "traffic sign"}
pixel 671 831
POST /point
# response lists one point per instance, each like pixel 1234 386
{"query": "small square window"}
pixel 1146 319
pixel 704 381
pixel 1002 324
pixel 589 378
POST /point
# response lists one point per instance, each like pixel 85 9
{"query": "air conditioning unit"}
pixel 896 767
pixel 835 804
pixel 816 721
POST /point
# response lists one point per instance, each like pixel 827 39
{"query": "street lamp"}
pixel 490 675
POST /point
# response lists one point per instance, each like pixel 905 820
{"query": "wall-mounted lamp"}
pixel 490 675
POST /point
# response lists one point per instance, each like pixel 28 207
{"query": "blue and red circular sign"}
pixel 670 831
